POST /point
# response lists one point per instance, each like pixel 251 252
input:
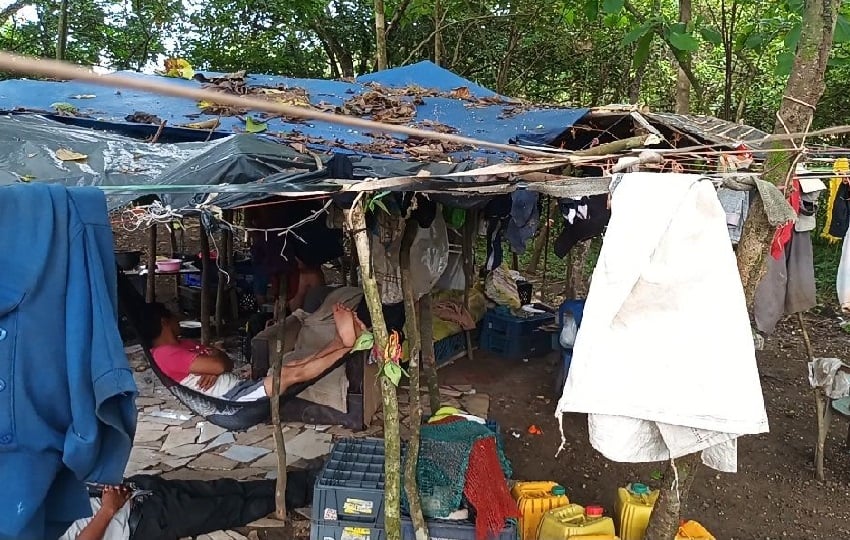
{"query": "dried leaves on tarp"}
pixel 178 68
pixel 64 154
pixel 140 117
pixel 235 84
pixel 382 106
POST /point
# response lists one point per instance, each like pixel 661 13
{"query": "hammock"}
pixel 230 415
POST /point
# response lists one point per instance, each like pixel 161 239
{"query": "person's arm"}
pixel 111 502
pixel 211 363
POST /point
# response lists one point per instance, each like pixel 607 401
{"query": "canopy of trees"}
pixel 734 55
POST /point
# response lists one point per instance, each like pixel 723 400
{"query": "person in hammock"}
pixel 209 370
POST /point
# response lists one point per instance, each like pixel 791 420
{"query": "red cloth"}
pixel 175 360
pixel 487 491
pixel 784 232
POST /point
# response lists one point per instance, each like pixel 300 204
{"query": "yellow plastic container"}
pixel 534 499
pixel 691 530
pixel 634 506
pixel 575 521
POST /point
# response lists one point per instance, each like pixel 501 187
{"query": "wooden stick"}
pixel 389 398
pixel 540 240
pixel 411 486
pixel 13 63
pixel 205 284
pixel 150 295
pixel 469 230
pixel 219 290
pixel 429 361
pixel 823 408
pixel 277 430
pixel 549 205
pixel 664 520
pixel 173 239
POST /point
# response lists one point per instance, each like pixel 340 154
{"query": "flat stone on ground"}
pixel 224 438
pixel 244 454
pixel 309 445
pixel 208 431
pixel 179 437
pixel 186 450
pixel 213 462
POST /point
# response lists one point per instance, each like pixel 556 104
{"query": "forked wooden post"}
pixel 150 293
pixel 356 221
pixel 205 284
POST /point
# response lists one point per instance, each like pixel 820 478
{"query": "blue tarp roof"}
pixel 482 115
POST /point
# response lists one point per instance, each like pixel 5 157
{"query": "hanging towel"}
pixel 841 167
pixel 664 361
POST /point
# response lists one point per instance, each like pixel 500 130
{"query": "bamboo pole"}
pixel 389 398
pixel 277 430
pixel 150 294
pixel 540 241
pixel 411 486
pixel 429 361
pixel 546 252
pixel 221 262
pixel 205 284
pixel 172 237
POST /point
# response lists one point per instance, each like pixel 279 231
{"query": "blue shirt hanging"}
pixel 67 413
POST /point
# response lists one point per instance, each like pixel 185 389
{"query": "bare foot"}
pixel 344 319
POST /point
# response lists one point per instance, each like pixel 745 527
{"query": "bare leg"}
pixel 311 367
pixel 345 325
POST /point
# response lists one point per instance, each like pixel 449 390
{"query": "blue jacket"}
pixel 67 413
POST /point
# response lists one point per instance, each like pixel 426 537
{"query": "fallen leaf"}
pixel 252 126
pixel 69 155
pixel 207 124
pixel 178 67
pixel 84 96
pixel 461 92
pixel 27 178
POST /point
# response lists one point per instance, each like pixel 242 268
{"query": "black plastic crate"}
pixel 344 531
pixel 502 322
pixel 350 487
pixel 439 529
pixel 535 344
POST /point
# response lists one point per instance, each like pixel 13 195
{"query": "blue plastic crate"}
pixel 449 347
pixel 344 531
pixel 350 487
pixel 439 529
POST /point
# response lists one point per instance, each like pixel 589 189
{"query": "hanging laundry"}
pixel 664 278
pixel 784 232
pixel 586 217
pixel 842 281
pixel 788 287
pixel 736 204
pixel 67 412
pixel 496 214
pixel 525 218
pixel 842 168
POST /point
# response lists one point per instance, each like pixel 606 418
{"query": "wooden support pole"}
pixel 356 219
pixel 277 430
pixel 470 227
pixel 540 241
pixel 205 284
pixel 150 295
pixel 546 252
pixel 429 360
pixel 221 263
pixel 411 486
pixel 172 236
pixel 823 408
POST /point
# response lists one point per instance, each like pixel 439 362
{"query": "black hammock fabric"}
pixel 230 415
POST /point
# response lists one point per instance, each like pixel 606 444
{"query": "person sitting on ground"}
pixel 209 370
pixel 153 508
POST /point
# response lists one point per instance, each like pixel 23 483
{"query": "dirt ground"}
pixel 774 494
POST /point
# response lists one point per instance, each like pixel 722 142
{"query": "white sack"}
pixel 664 361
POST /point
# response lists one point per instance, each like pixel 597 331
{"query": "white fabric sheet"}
pixel 664 361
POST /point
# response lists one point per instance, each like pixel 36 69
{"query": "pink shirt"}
pixel 174 360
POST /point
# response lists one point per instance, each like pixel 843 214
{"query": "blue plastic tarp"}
pixel 503 122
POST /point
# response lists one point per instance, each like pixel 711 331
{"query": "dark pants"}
pixel 180 508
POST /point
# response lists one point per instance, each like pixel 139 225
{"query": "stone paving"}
pixel 172 442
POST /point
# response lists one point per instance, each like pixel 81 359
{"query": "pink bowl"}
pixel 169 265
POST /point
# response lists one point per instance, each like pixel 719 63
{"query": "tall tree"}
pixel 380 34
pixel 683 84
pixel 62 34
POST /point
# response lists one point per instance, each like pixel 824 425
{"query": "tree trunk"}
pixel 438 33
pixel 389 398
pixel 664 520
pixel 411 486
pixel 540 241
pixel 380 35
pixel 274 403
pixel 804 89
pixel 429 361
pixel 577 279
pixel 62 34
pixel 802 93
pixel 683 84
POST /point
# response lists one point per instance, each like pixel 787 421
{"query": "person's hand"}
pixel 207 381
pixel 114 498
